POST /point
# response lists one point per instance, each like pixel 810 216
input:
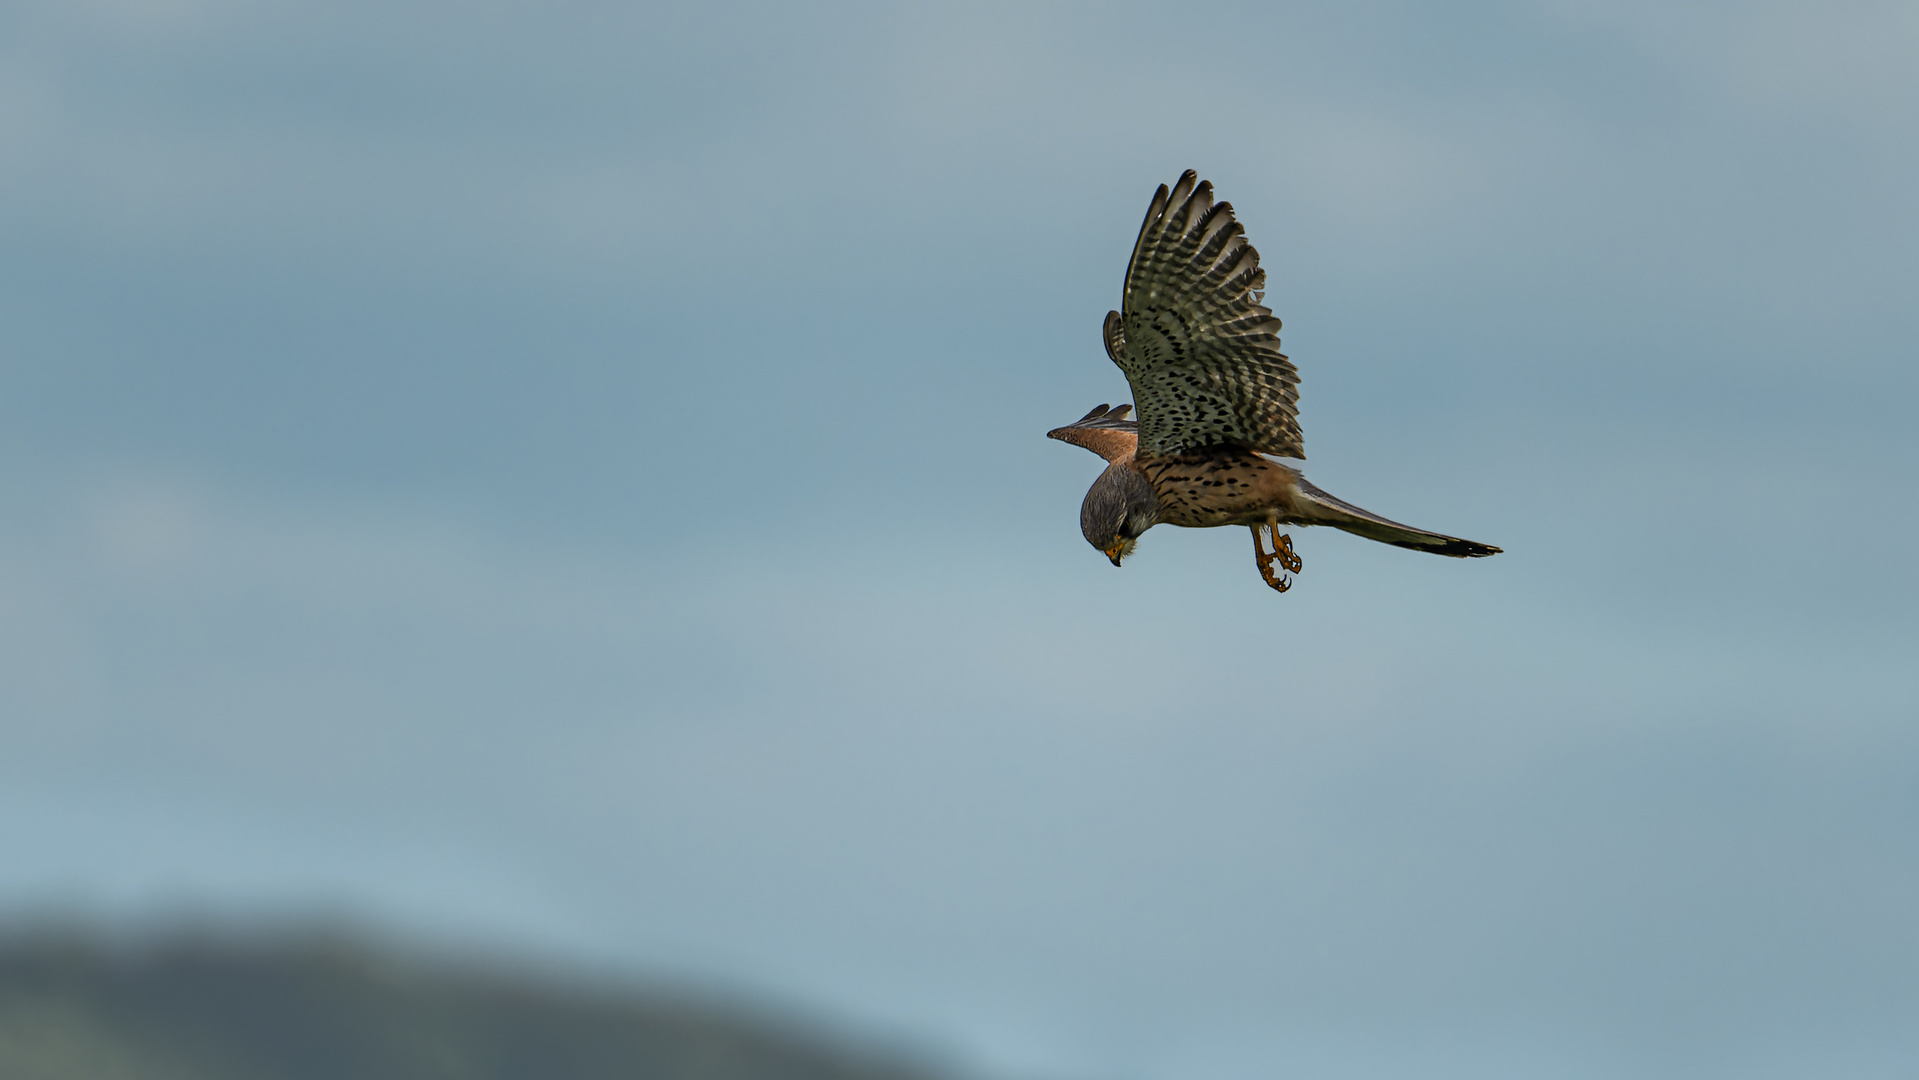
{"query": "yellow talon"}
pixel 1282 553
pixel 1283 549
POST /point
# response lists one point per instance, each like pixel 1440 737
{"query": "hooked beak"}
pixel 1113 552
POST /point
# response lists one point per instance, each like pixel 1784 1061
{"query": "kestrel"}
pixel 1215 395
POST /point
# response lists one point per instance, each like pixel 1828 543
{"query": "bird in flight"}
pixel 1201 353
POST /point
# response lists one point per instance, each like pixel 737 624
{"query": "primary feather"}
pixel 1198 347
pixel 1105 431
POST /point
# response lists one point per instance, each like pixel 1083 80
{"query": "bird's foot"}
pixel 1282 553
pixel 1283 550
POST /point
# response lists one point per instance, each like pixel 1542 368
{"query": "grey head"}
pixel 1118 508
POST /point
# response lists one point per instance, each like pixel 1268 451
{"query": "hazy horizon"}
pixel 572 477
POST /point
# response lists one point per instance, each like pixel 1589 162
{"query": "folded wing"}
pixel 1105 431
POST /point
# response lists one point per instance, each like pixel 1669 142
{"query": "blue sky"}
pixel 570 477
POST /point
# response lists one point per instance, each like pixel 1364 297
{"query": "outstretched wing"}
pixel 1104 431
pixel 1200 350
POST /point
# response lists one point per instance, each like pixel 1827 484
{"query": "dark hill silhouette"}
pixel 315 1009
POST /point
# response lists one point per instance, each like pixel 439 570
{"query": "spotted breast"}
pixel 1221 485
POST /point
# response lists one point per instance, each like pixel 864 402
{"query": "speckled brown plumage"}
pixel 1199 348
pixel 1105 431
pixel 1215 394
pixel 1220 485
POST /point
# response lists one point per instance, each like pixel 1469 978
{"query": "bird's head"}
pixel 1118 508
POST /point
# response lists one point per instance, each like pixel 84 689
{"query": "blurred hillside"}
pixel 313 1009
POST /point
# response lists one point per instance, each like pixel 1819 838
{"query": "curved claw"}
pixel 1282 553
pixel 1283 550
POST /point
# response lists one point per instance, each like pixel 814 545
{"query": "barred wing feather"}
pixel 1105 431
pixel 1199 349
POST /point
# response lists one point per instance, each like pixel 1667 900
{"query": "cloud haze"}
pixel 571 477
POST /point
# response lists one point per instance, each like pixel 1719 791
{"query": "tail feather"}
pixel 1340 514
